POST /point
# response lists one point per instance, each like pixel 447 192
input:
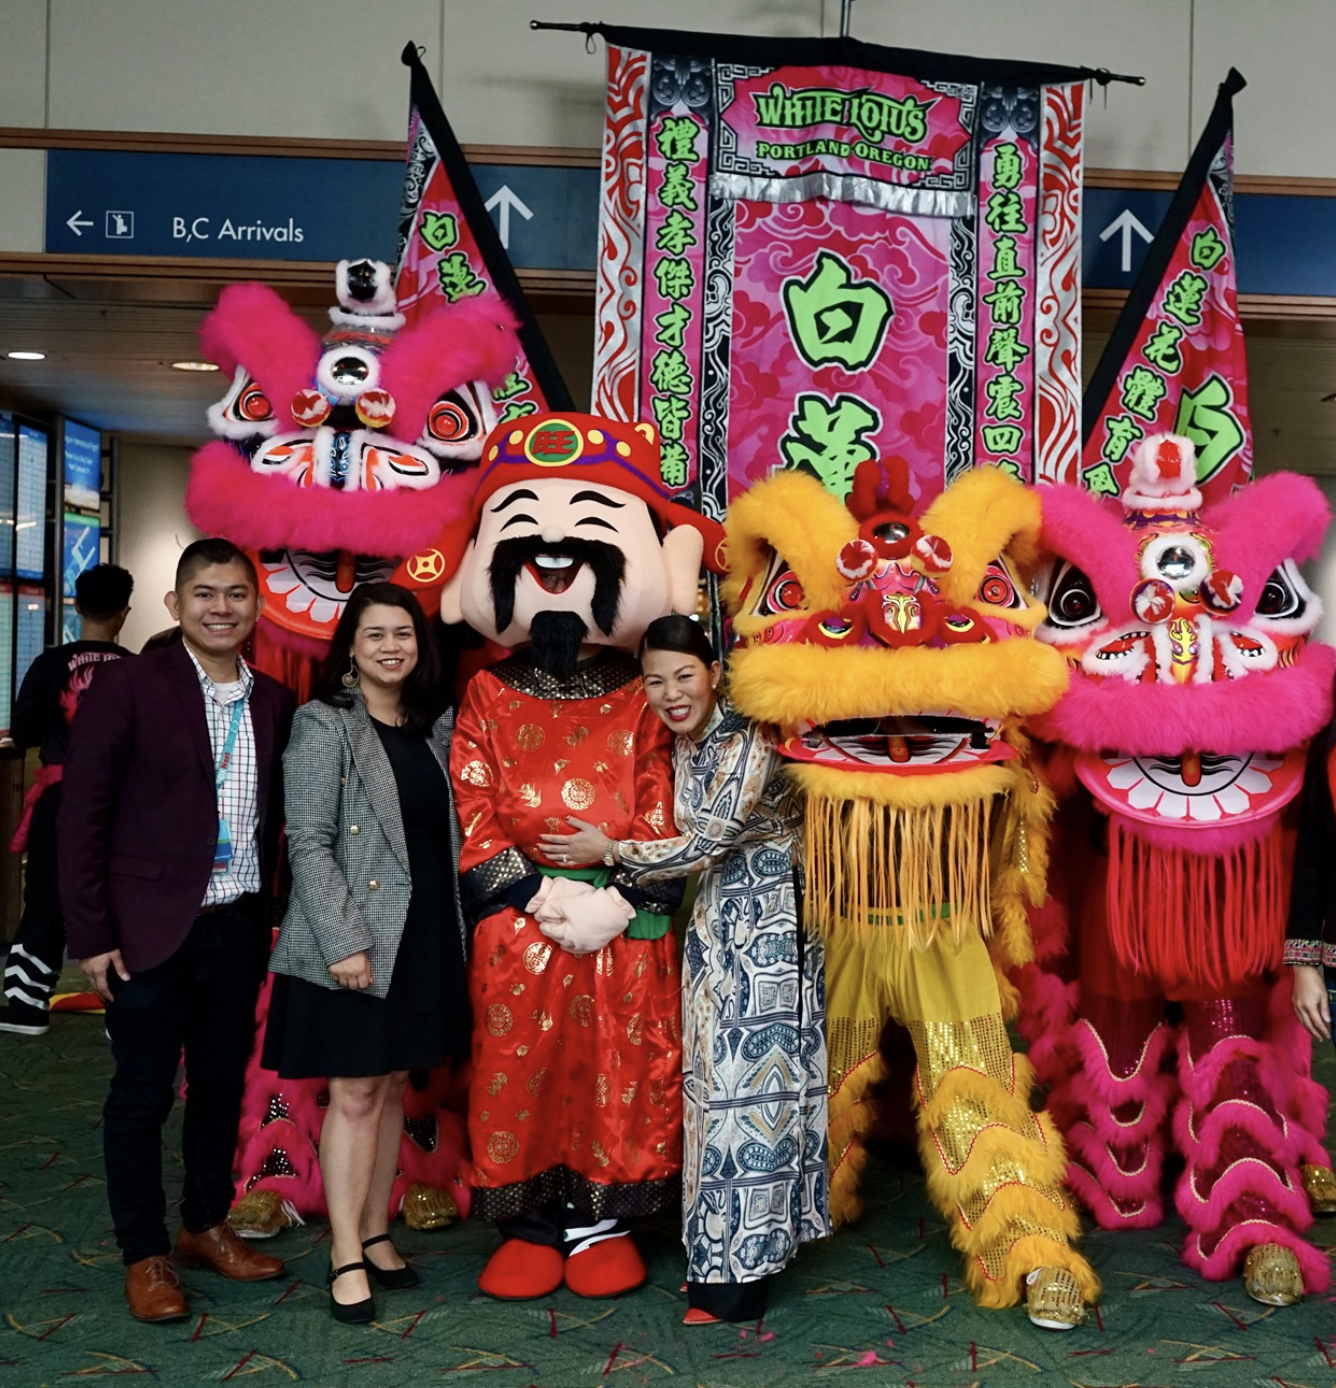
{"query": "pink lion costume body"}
pixel 343 459
pixel 1195 691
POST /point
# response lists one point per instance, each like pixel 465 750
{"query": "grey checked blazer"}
pixel 350 882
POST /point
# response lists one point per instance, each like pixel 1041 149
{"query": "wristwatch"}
pixel 610 854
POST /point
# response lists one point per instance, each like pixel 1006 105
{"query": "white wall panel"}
pixel 22 199
pixel 1285 118
pixel 22 62
pixel 503 84
pixel 1134 127
pixel 309 68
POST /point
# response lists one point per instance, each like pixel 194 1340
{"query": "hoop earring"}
pixel 350 676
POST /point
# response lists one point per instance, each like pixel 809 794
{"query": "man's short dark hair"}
pixel 202 553
pixel 103 591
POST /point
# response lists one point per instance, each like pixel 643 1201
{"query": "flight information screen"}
pixel 30 506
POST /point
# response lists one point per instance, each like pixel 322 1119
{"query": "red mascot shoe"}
pixel 519 1271
pixel 609 1268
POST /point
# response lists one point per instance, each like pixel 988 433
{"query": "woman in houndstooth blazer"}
pixel 369 966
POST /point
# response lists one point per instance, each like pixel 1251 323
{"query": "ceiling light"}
pixel 26 356
pixel 193 366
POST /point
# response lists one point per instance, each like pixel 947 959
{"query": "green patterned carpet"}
pixel 879 1304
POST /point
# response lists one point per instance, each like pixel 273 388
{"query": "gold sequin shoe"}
pixel 1320 1187
pixel 1053 1300
pixel 428 1207
pixel 260 1214
pixel 1271 1275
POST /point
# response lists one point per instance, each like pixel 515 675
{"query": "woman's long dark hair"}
pixel 423 698
pixel 678 633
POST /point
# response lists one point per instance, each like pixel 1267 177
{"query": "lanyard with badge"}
pixel 222 856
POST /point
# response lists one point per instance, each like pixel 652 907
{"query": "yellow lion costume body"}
pixel 895 656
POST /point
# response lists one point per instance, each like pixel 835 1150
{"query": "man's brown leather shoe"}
pixel 152 1291
pixel 220 1250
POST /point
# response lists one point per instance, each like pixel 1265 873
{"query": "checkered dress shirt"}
pixel 238 801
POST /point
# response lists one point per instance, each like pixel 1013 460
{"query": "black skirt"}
pixel 424 1019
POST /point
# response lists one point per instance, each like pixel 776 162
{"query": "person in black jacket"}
pixel 43 712
pixel 1310 943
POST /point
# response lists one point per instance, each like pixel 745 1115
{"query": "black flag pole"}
pixel 502 273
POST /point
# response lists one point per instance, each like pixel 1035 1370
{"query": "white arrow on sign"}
pixel 74 223
pixel 1126 223
pixel 506 201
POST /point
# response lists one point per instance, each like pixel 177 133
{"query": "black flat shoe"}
pixel 355 1312
pixel 393 1279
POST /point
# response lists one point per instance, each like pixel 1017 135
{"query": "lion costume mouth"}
pixel 1198 790
pixel 925 742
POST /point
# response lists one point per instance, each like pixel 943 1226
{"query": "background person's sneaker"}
pixel 23 1019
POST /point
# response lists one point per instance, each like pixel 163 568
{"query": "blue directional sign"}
pixel 241 207
pixel 1284 241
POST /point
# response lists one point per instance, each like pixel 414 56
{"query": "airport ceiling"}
pixel 109 347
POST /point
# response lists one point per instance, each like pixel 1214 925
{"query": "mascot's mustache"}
pixel 607 563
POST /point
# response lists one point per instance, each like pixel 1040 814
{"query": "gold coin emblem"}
pixel 577 793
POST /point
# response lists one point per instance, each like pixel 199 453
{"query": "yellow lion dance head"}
pixel 895 655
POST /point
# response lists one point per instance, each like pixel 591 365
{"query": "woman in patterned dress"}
pixel 754 1045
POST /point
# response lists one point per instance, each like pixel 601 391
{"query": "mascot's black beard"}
pixel 607 563
pixel 555 639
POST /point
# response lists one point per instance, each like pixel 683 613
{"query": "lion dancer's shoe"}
pixel 1112 1107
pixel 1241 1195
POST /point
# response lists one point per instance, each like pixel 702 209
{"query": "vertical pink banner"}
pixel 621 224
pixel 1006 293
pixel 1058 317
pixel 673 292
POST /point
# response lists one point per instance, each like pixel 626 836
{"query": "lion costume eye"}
pixel 253 404
pixel 453 419
pixel 1072 601
pixel 998 588
pixel 781 592
pixel 1280 597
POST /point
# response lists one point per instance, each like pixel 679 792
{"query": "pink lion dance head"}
pixel 345 458
pixel 1196 688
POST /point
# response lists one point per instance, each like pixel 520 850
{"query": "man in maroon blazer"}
pixel 168 835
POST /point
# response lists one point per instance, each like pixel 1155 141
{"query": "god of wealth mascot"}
pixel 347 458
pixel 342 459
pixel 1195 691
pixel 575 1110
pixel 895 653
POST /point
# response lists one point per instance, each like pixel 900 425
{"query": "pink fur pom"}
pixel 252 324
pixel 1280 516
pixel 1089 531
pixel 1226 1259
pixel 1251 1179
pixel 1284 707
pixel 1141 1086
pixel 1201 1077
pixel 281 1158
pixel 471 340
pixel 225 497
pixel 1199 1137
pixel 1047 1003
pixel 1048 930
pixel 1115 1201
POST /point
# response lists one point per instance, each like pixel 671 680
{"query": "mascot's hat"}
pixel 597 452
